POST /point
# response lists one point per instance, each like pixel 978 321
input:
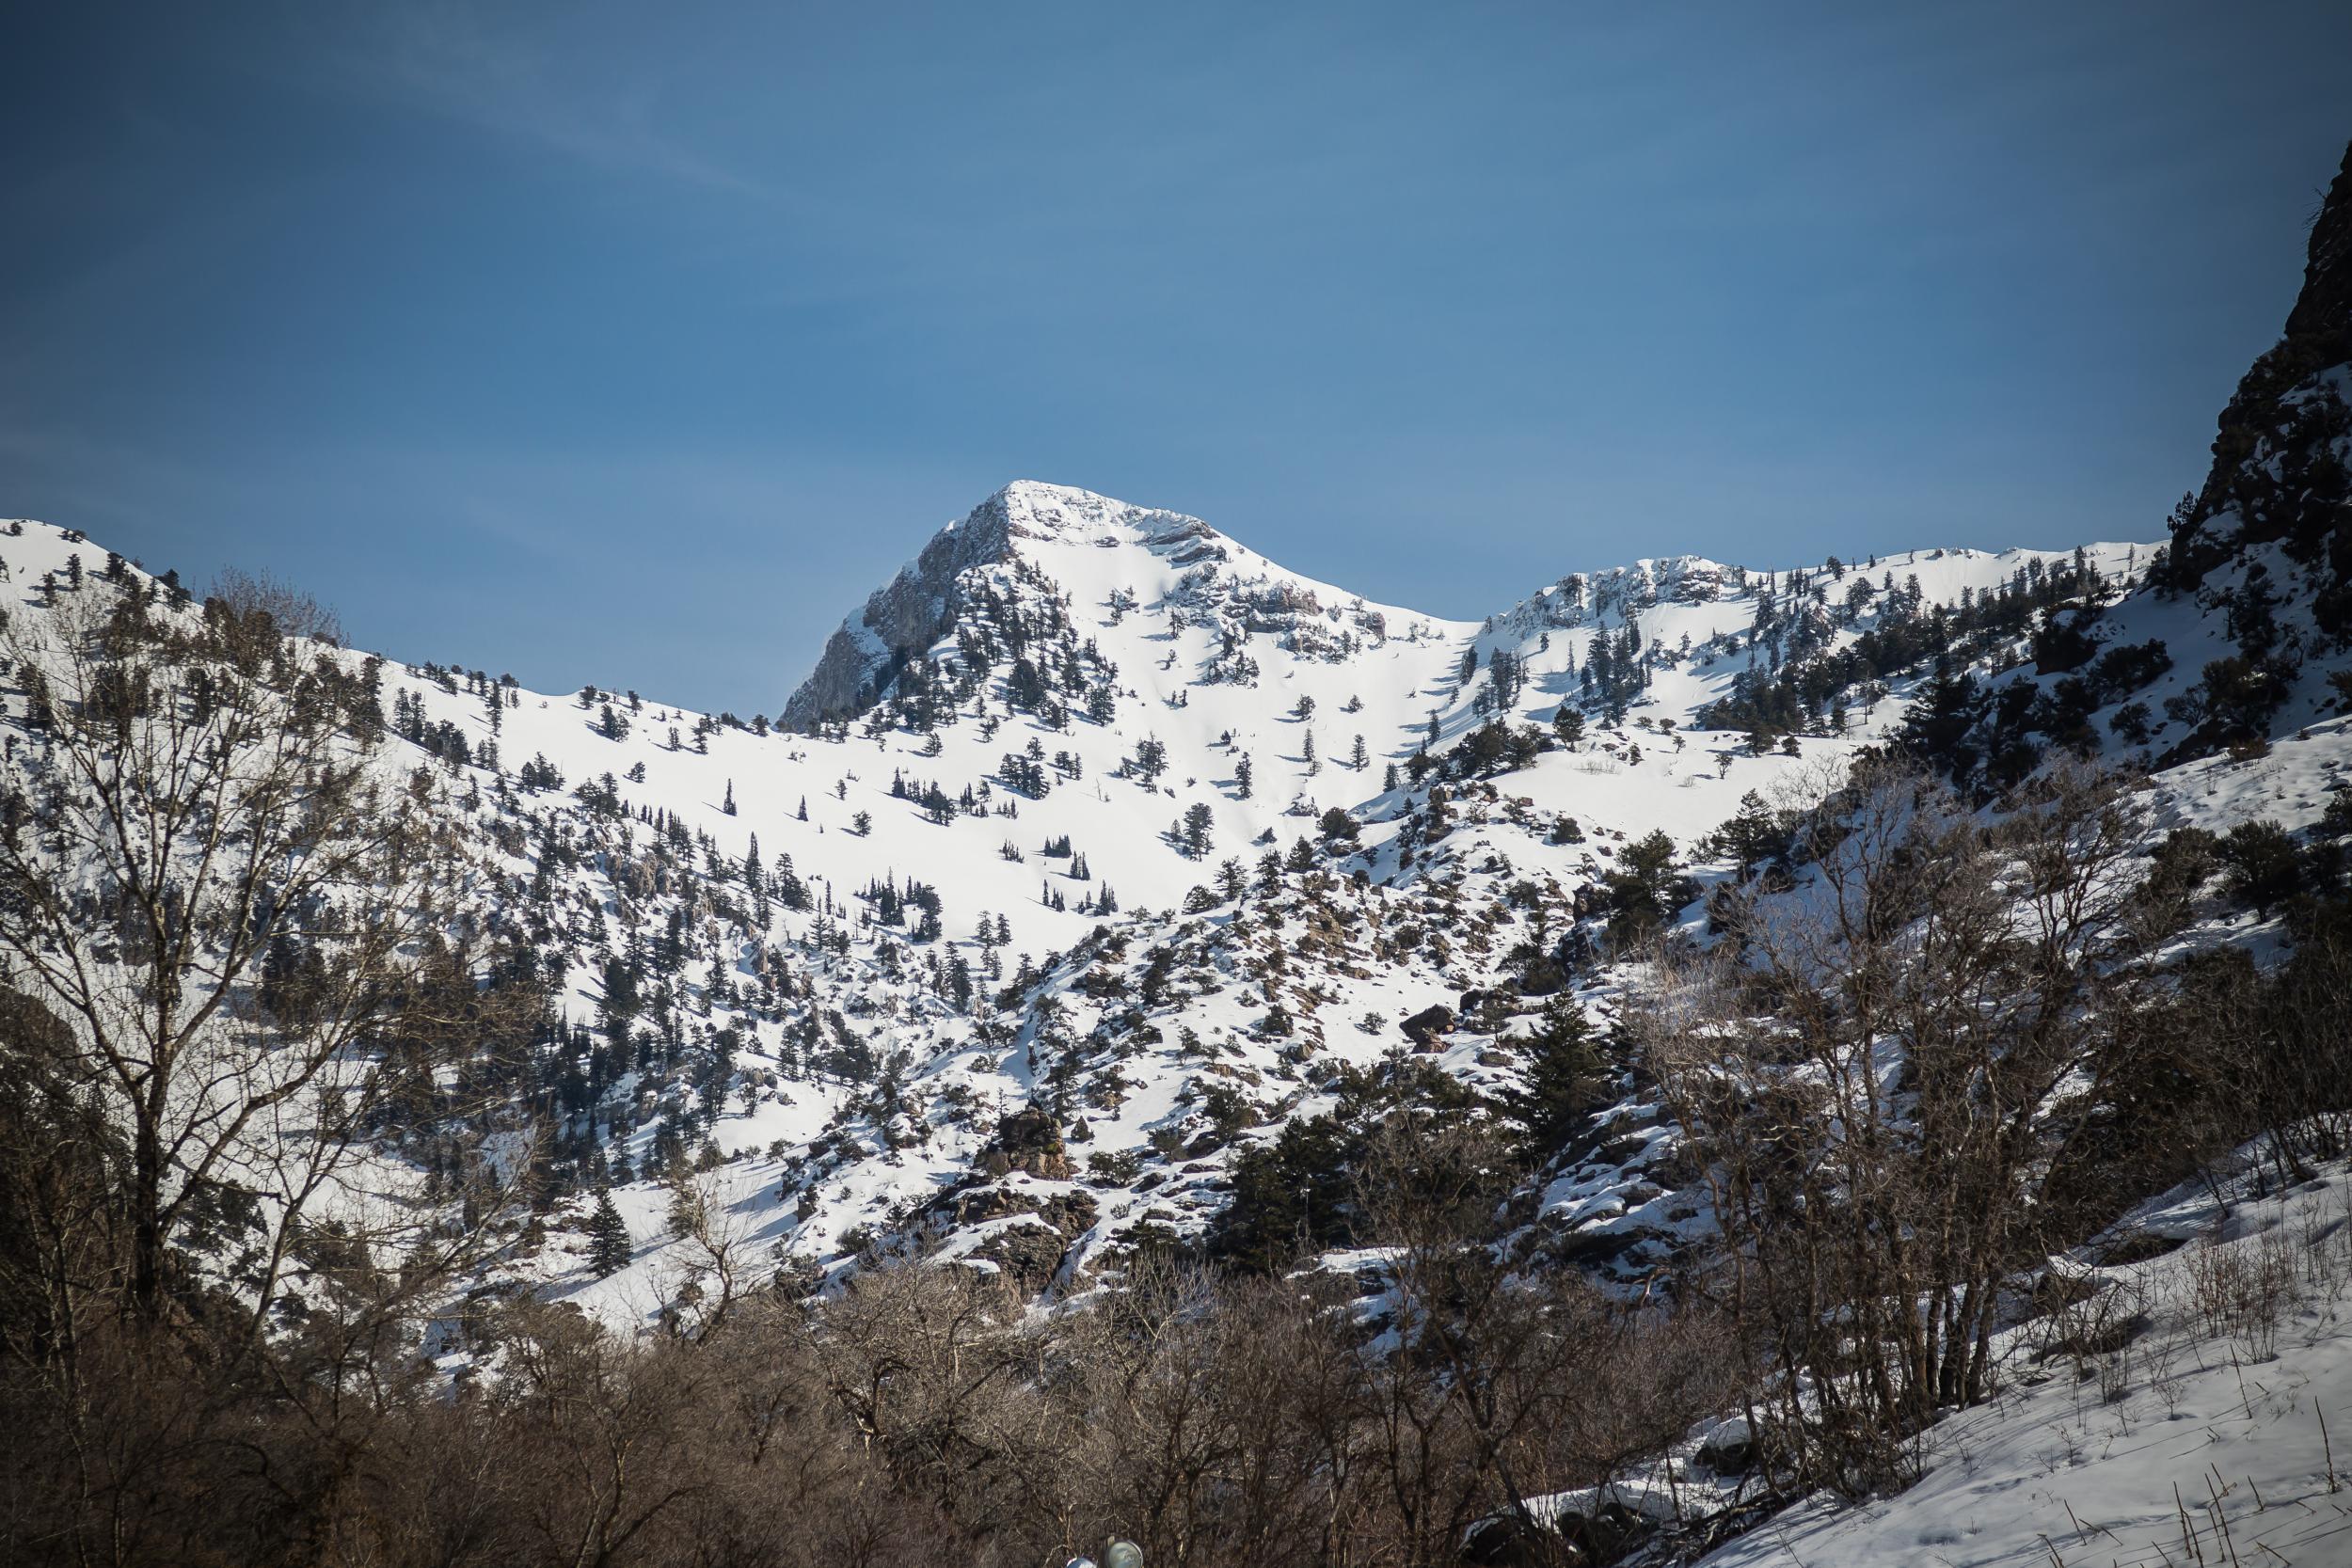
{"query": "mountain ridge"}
pixel 919 923
pixel 1163 703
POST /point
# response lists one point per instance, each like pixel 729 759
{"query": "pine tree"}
pixel 1560 1070
pixel 608 1238
pixel 1196 829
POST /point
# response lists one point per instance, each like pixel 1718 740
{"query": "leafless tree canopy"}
pixel 212 884
pixel 292 612
pixel 1951 1052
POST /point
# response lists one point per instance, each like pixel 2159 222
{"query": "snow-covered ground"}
pixel 2217 1431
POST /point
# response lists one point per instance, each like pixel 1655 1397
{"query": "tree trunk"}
pixel 147 1222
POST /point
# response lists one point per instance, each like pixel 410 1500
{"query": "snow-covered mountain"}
pixel 1106 851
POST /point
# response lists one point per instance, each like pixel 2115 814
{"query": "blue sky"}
pixel 635 344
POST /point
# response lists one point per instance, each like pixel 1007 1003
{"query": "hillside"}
pixel 859 951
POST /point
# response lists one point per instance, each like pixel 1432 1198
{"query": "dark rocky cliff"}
pixel 2279 469
pixel 910 612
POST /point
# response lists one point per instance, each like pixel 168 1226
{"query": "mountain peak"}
pixel 921 603
pixel 1055 507
pixel 1063 513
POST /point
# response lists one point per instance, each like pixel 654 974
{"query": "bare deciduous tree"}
pixel 1881 1070
pixel 212 880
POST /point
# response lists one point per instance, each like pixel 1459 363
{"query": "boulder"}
pixel 1425 1026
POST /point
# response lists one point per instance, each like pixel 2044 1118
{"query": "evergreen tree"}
pixel 1196 829
pixel 1644 888
pixel 608 1238
pixel 1753 836
pixel 1560 1070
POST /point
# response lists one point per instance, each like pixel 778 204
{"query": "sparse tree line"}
pixel 1805 674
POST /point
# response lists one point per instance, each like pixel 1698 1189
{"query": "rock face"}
pixel 907 615
pixel 1030 1255
pixel 2319 328
pixel 921 604
pixel 1027 1141
pixel 2277 465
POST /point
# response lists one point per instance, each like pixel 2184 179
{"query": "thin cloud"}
pixel 445 60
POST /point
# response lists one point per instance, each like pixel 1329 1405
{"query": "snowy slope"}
pixel 872 1066
pixel 1660 771
pixel 2197 1438
pixel 1167 613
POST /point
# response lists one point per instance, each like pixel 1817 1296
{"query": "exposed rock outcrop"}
pixel 907 615
pixel 2278 471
